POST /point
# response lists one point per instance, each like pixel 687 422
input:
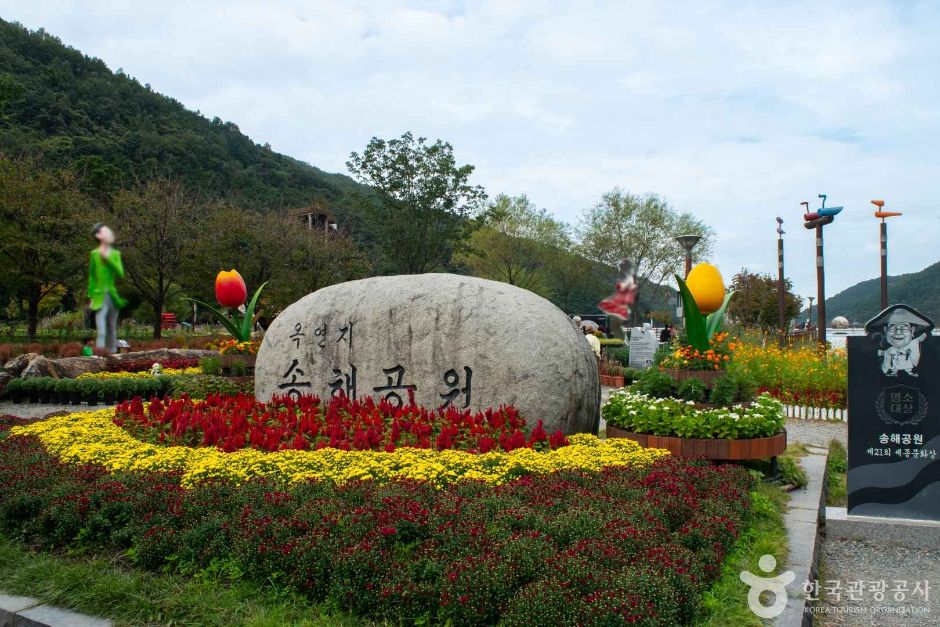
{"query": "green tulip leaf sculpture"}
pixel 231 292
pixel 704 303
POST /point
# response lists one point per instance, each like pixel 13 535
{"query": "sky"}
pixel 733 111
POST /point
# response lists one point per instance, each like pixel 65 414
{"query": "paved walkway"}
pixel 30 612
pixel 41 410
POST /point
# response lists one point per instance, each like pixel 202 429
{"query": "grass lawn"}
pixel 726 603
pixel 836 473
pixel 106 587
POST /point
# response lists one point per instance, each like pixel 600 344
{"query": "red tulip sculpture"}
pixel 231 292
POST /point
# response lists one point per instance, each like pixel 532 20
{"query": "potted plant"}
pixel 89 390
pixel 31 389
pixel 14 390
pixel 612 373
pixel 109 391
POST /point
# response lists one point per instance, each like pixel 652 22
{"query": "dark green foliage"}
pixel 201 385
pixel 860 303
pixel 619 353
pixel 732 388
pixel 654 383
pixel 211 365
pixel 692 390
pixel 74 111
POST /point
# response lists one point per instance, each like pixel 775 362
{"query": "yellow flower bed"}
pixel 143 374
pixel 92 438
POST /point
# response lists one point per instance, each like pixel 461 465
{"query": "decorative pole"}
pixel 881 213
pixel 817 220
pixel 781 307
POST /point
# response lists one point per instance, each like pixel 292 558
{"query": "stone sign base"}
pixel 920 533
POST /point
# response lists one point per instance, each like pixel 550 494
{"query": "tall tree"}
pixel 755 300
pixel 516 244
pixel 641 229
pixel 422 212
pixel 159 225
pixel 45 232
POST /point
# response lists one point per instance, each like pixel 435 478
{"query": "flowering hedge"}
pixel 640 413
pixel 94 438
pixel 128 374
pixel 795 375
pixel 632 545
pixel 720 351
pixel 239 421
pixel 234 347
pixel 139 365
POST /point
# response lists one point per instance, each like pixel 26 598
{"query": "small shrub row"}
pixel 727 389
pixel 90 390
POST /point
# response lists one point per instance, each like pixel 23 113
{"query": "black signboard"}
pixel 894 417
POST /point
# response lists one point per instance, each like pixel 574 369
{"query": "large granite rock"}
pixel 450 339
pixel 18 364
pixel 34 365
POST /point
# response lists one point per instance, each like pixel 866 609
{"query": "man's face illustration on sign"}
pixel 899 334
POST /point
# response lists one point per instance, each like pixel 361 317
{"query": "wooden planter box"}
pixel 705 376
pixel 713 448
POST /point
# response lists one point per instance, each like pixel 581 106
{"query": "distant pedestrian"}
pixel 593 342
pixel 665 335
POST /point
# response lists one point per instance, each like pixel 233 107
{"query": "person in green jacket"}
pixel 104 268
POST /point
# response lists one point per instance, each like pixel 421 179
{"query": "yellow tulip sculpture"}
pixel 703 292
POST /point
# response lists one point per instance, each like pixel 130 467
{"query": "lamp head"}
pixel 878 203
pixel 688 242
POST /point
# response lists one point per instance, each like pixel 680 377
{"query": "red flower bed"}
pixel 139 365
pixel 235 422
pixel 623 546
pixel 807 398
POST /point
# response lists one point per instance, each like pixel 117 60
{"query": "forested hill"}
pixel 75 112
pixel 920 290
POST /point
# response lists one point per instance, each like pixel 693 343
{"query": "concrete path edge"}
pixel 18 611
pixel 803 519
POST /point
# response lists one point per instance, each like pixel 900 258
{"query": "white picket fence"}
pixel 800 412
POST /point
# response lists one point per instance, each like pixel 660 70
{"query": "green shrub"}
pixel 630 375
pixel 791 471
pixel 620 354
pixel 239 369
pixel 211 365
pixel 201 385
pixel 661 353
pixel 653 382
pixel 732 388
pixel 15 386
pixel 692 390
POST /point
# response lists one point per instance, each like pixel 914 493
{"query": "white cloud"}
pixel 736 111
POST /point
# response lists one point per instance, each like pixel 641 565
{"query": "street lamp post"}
pixel 781 306
pixel 688 242
pixel 881 213
pixel 817 220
